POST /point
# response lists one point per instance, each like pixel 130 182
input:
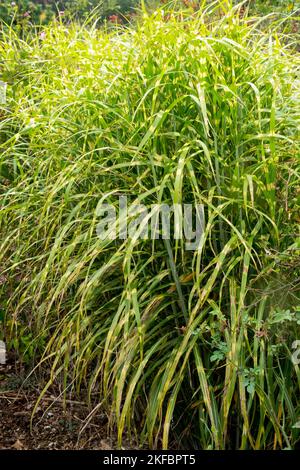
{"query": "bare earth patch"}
pixel 55 425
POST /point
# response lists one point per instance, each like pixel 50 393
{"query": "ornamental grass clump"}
pixel 183 348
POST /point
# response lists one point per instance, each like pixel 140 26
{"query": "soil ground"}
pixel 55 425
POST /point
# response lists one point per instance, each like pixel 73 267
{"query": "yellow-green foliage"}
pixel 191 347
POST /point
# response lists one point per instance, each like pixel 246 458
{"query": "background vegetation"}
pixel 43 11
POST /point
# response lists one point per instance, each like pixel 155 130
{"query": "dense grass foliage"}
pixel 183 348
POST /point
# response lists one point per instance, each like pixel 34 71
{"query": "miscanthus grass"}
pixel 182 348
